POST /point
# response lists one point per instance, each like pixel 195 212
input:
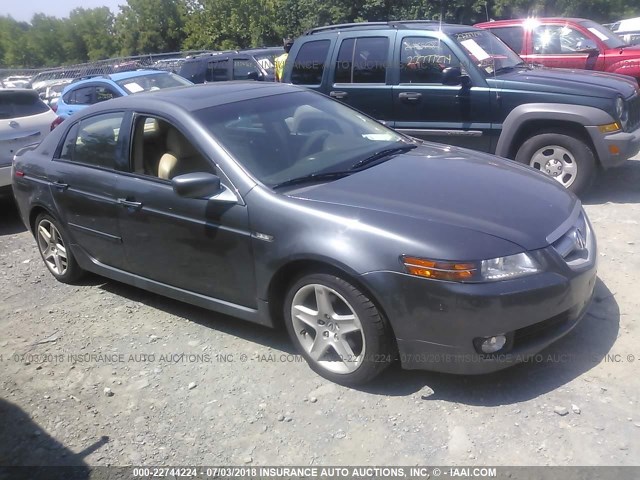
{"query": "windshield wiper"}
pixel 313 177
pixel 379 155
pixel 510 68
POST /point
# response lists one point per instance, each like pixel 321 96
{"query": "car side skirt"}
pixel 260 316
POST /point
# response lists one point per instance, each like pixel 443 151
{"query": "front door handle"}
pixel 338 95
pixel 410 96
pixel 60 185
pixel 130 204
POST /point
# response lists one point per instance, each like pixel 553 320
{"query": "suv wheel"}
pixel 55 251
pixel 566 159
pixel 337 329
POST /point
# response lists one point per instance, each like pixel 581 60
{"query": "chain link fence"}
pixel 33 77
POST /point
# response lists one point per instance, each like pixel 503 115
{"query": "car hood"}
pixel 449 186
pixel 569 82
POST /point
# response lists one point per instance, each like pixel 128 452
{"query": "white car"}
pixel 24 119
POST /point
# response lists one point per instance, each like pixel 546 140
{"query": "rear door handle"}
pixel 60 186
pixel 130 204
pixel 410 96
pixel 338 95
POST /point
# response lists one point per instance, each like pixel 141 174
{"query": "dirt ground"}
pixel 106 374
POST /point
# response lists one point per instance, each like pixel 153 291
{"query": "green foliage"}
pixel 154 26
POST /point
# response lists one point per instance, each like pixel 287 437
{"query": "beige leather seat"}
pixel 181 157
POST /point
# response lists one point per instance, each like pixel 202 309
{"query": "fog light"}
pixel 493 344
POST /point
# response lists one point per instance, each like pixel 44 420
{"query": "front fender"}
pixel 518 118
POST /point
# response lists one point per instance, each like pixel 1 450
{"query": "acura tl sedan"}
pixel 275 205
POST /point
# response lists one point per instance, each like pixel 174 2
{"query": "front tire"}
pixel 54 250
pixel 337 329
pixel 566 159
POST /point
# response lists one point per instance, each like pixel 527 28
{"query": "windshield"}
pixel 153 81
pixel 488 52
pixel 610 39
pixel 284 137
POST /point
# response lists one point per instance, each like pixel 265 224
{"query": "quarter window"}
pixel 362 60
pixel 422 60
pixel 308 66
pixel 94 141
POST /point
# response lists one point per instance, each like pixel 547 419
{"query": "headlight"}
pixel 508 267
pixel 502 268
pixel 621 111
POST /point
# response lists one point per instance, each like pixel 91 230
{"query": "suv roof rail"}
pixel 87 77
pixel 344 26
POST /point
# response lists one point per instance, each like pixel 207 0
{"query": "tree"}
pixel 150 26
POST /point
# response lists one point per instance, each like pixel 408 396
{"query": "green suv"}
pixel 463 86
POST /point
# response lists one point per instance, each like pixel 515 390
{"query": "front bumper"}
pixel 435 322
pixel 615 148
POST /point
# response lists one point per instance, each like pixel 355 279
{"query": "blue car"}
pixel 82 93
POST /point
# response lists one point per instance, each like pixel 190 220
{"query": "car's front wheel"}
pixel 567 159
pixel 337 329
pixel 54 249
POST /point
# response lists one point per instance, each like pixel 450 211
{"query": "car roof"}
pixel 196 97
pixel 115 77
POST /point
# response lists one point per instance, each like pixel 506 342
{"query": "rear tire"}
pixel 566 159
pixel 54 250
pixel 337 329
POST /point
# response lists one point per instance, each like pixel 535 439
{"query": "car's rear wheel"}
pixel 54 249
pixel 337 329
pixel 566 159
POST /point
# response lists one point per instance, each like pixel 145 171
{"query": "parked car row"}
pixel 461 85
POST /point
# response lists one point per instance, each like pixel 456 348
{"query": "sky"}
pixel 23 10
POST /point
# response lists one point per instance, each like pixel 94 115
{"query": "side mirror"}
pixel 453 76
pixel 255 75
pixel 587 46
pixel 196 185
pixel 202 185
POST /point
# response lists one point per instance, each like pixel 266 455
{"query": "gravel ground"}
pixel 106 374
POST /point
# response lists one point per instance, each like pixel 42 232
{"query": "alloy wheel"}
pixel 52 247
pixel 328 328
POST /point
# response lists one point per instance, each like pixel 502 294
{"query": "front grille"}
pixel 577 244
pixel 634 113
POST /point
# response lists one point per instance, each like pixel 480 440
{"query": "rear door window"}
pixel 309 63
pixel 362 60
pixel 94 141
pixel 20 104
pixel 217 71
pixel 80 96
pixel 243 68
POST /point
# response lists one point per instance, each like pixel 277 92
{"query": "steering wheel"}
pixel 314 143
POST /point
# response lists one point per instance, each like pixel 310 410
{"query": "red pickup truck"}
pixel 568 43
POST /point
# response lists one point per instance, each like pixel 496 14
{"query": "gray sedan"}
pixel 276 204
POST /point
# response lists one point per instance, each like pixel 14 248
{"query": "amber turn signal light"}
pixel 439 270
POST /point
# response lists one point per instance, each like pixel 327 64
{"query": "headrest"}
pixel 178 145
